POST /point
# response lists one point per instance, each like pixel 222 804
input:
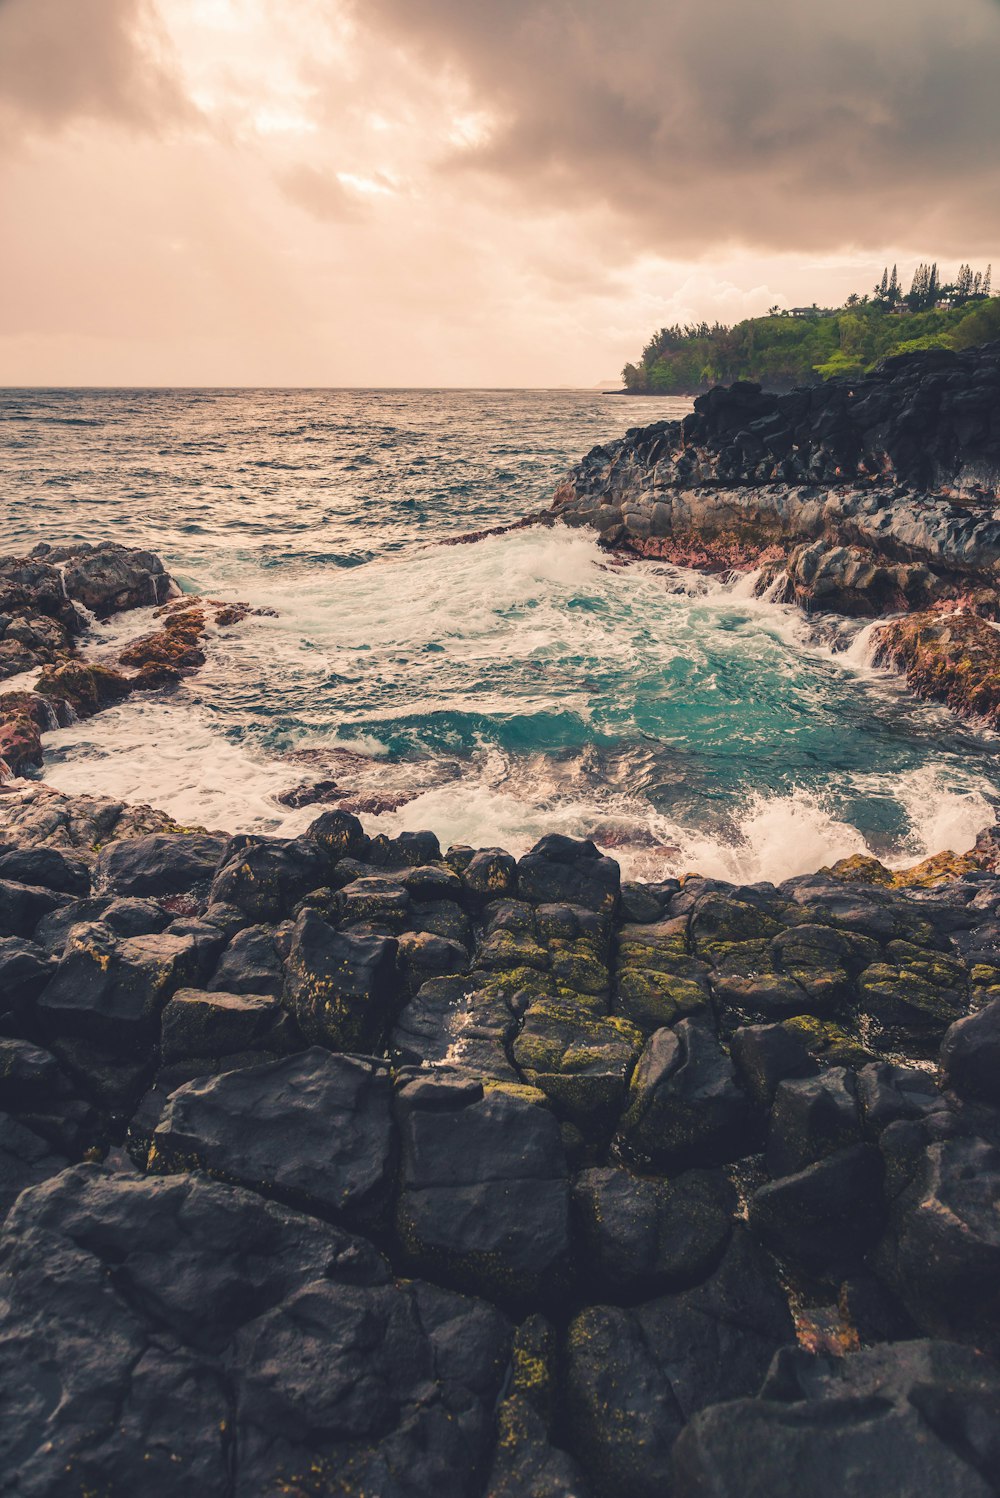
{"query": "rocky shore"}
pixel 347 1165
pixel 867 497
pixel 341 1165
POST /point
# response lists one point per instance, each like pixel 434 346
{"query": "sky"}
pixel 467 192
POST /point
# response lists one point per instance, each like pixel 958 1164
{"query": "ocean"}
pixel 494 691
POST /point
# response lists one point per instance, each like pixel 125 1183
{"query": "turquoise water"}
pixel 492 691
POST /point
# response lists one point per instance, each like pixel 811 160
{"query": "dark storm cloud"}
pixel 68 59
pixel 780 124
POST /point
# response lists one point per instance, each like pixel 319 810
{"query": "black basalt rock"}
pixel 158 864
pixel 311 1129
pixel 914 1420
pixel 338 986
pixel 686 1107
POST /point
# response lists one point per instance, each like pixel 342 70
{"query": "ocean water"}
pixel 492 691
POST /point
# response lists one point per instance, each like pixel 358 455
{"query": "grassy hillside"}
pixel 782 350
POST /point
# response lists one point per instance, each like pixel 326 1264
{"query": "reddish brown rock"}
pixel 951 658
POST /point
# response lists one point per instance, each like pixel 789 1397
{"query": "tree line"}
pixel 812 344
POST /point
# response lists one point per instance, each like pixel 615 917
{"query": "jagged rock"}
pixel 634 1377
pixel 112 991
pixel 158 864
pixel 887 1093
pixel 686 1108
pixel 423 956
pixel 564 871
pixel 250 963
pixel 235 1346
pixel 196 1023
pixel 941 1251
pixel 46 867
pixel 812 1117
pixel 123 917
pixel 908 1421
pixel 913 1001
pixel 970 1055
pixel 484 1194
pixel 26 1159
pixel 824 1217
pixel 643 1235
pixel 338 835
pixel 265 877
pixel 25 968
pixel 378 903
pixel 490 874
pixel 339 986
pixel 765 1055
pixel 313 1129
pixel 39 816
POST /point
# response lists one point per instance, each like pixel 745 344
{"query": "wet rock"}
pixel 22 906
pixel 490 874
pixel 562 870
pixel 657 982
pixel 970 1055
pixel 765 1055
pixel 484 1195
pixel 26 1159
pixel 581 1060
pixel 464 1021
pixel 197 1023
pixel 250 963
pixel 941 1251
pixel 423 955
pixel 686 1108
pixel 108 578
pixel 87 688
pixel 338 835
pixel 199 1366
pixel 25 968
pixel 112 991
pixel 812 1117
pixel 158 864
pixel 641 1235
pixel 635 1377
pixel 824 1217
pixel 914 1419
pixel 526 1463
pixel 39 816
pixel 46 867
pixel 314 1130
pixel 266 877
pixel 339 987
pixel 952 658
pixel 640 904
pixel 887 1093
pixel 912 1003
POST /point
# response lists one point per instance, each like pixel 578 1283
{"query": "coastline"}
pixel 518 1148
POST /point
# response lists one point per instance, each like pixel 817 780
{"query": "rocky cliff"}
pixel 871 495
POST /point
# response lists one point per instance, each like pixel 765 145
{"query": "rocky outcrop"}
pixel 949 657
pixel 866 495
pixel 340 1163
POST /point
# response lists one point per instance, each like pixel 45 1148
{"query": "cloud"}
pixel 320 193
pixel 64 60
pixel 704 123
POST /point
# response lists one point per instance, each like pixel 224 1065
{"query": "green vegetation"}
pixel 810 344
